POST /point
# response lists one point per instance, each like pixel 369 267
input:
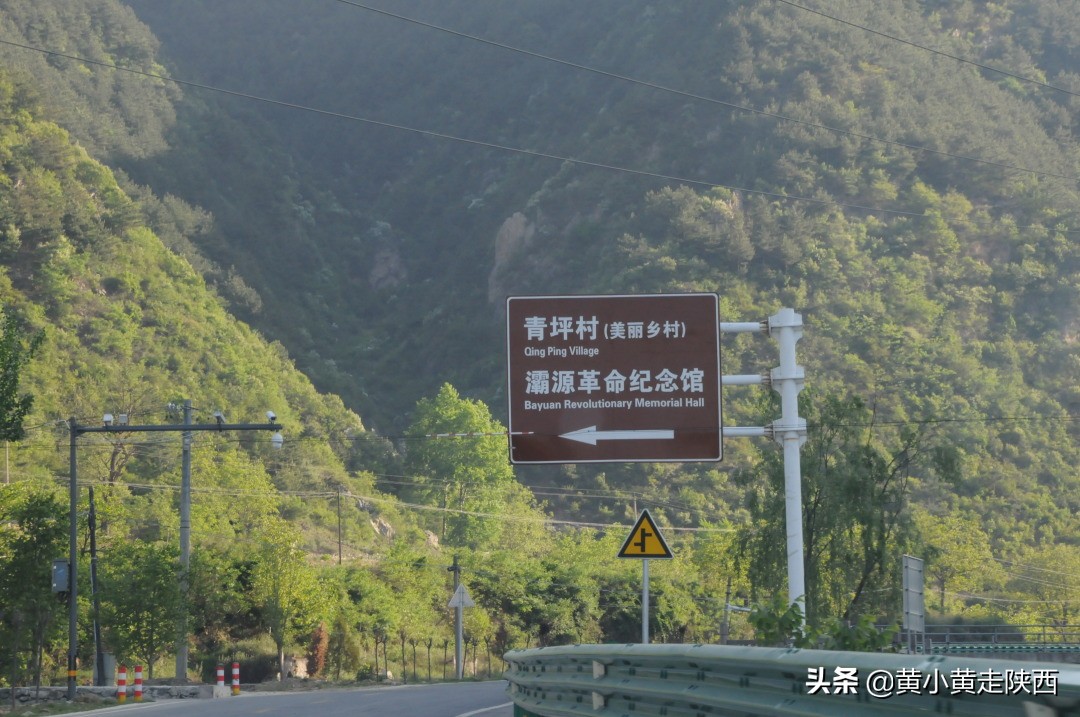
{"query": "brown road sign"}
pixel 614 378
pixel 645 540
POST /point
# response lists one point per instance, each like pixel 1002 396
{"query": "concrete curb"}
pixel 151 693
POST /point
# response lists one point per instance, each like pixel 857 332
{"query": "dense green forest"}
pixel 951 300
pixel 167 242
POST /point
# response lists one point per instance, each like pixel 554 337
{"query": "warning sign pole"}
pixel 645 541
pixel 645 601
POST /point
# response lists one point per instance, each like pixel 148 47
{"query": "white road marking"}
pixel 486 709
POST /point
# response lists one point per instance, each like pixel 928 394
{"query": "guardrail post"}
pixel 522 712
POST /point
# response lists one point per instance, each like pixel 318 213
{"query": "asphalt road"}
pixel 465 699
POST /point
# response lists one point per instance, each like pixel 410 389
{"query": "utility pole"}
pixel 187 427
pixel 339 525
pixel 99 650
pixel 458 620
pixel 185 545
pixel 73 556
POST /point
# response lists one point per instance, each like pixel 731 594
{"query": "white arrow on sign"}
pixel 590 435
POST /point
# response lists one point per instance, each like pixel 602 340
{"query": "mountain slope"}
pixel 130 326
pixel 425 214
pixel 941 289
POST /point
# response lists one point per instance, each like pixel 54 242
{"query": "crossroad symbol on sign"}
pixel 645 540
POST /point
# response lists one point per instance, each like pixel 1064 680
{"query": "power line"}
pixel 503 147
pixel 1032 567
pixel 550 491
pixel 573 493
pixel 1063 417
pixel 237 492
pixel 704 98
pixel 931 421
pixel 528 519
pixel 909 43
pixel 547 490
pixel 503 434
pixel 167 441
pixel 970 596
pixel 397 502
pixel 465 140
pixel 1038 582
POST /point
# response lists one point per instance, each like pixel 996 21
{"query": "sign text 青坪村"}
pixel 614 378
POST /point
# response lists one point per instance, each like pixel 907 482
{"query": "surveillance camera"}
pixel 108 419
pixel 277 440
pixel 271 416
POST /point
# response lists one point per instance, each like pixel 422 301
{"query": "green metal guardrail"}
pixel 1061 634
pixel 709 680
pixel 1016 648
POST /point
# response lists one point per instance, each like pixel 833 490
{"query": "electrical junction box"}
pixel 60 581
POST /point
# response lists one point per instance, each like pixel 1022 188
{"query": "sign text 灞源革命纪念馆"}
pixel 614 378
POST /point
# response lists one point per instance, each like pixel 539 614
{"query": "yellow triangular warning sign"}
pixel 645 540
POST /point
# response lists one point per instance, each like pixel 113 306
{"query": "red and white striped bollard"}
pixel 220 675
pixel 138 683
pixel 235 678
pixel 121 685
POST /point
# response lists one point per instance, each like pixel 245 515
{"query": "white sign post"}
pixel 459 601
pixel 790 431
pixel 914 600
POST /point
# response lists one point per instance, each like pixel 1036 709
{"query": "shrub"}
pixel 257 657
pixel 316 652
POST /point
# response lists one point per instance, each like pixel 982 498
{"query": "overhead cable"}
pixel 1021 566
pixel 957 58
pixel 711 100
pixel 475 142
